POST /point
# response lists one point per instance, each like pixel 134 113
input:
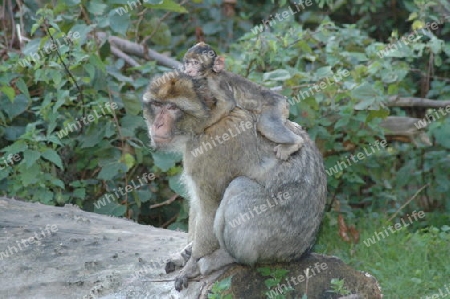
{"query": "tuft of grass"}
pixel 410 263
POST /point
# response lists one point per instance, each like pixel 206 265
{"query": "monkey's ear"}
pixel 219 64
pixel 147 97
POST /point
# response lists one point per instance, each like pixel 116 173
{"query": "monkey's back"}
pixel 248 154
pixel 249 95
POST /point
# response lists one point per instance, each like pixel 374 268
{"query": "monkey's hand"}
pixel 283 151
pixel 191 270
pixel 179 259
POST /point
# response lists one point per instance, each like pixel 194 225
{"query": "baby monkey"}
pixel 230 90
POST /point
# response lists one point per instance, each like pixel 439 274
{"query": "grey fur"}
pixel 235 177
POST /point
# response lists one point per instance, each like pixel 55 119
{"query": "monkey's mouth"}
pixel 161 139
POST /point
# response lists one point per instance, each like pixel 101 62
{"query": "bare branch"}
pixel 396 101
pixel 124 56
pixel 138 50
pixel 167 202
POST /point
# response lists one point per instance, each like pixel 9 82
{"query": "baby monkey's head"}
pixel 200 60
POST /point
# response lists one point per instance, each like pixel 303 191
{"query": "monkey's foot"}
pixel 189 271
pixel 181 282
pixel 283 151
pixel 179 259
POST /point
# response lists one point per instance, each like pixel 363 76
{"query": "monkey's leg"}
pixel 272 125
pixel 214 261
pixel 255 226
pixel 179 259
pixel 204 241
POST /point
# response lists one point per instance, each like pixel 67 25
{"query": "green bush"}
pixel 333 75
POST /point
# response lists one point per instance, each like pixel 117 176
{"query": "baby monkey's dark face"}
pixel 199 61
pixel 193 68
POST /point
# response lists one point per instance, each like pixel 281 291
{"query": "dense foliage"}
pixel 71 126
pixel 331 59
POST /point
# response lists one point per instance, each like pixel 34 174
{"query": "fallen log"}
pixel 64 252
pixel 405 129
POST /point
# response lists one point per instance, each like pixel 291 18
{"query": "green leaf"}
pixel 5 172
pixel 265 271
pixel 105 52
pixel 63 97
pixel 342 122
pixel 17 147
pixel 364 92
pixel 118 75
pixel 382 113
pixel 436 45
pixel 355 57
pixel 53 157
pixel 56 77
pixel 413 16
pixel 224 284
pixel 132 103
pixel 177 186
pixel 162 36
pixel 23 87
pixel 109 171
pixel 169 5
pixel 441 134
pixel 92 137
pixel 165 160
pixel 72 2
pixel 31 175
pixel 79 193
pixel 83 31
pixel 128 160
pixel 277 75
pixel 132 122
pixel 34 28
pixel 417 24
pixel 97 62
pixel 43 196
pixel 13 133
pixel 58 182
pixel 53 139
pixel 323 72
pixel 30 157
pixel 112 209
pixel 9 92
pixel 20 104
pixel 369 97
pixel 119 23
pixel 96 8
pixel 437 60
pixel 144 195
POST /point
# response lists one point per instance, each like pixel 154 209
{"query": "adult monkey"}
pixel 239 176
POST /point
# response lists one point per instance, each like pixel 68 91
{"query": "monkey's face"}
pixel 199 61
pixel 193 68
pixel 173 111
pixel 164 117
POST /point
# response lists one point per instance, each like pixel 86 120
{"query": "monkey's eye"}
pixel 157 104
pixel 195 62
pixel 172 107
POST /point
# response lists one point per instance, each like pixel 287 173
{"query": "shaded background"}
pixel 43 89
